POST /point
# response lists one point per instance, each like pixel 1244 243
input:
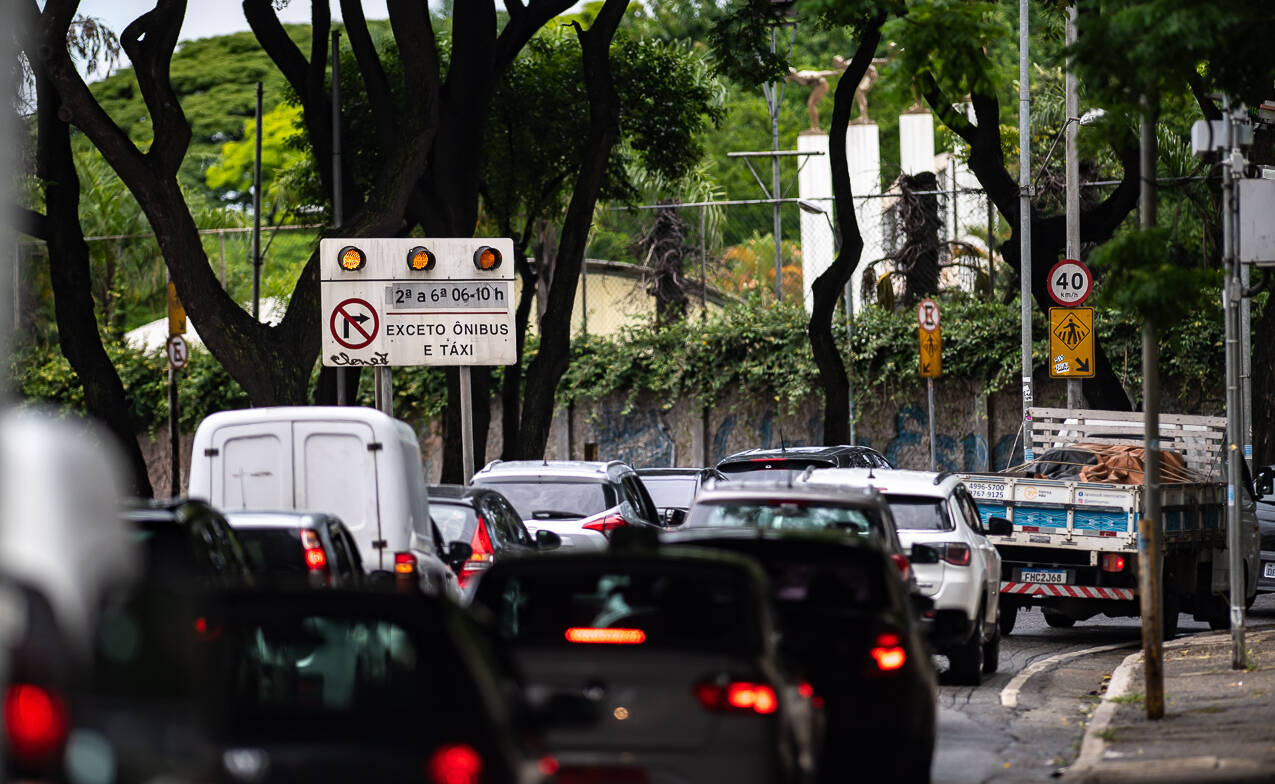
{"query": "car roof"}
pixel 178 511
pixel 892 482
pixel 280 518
pixel 799 452
pixel 555 561
pixel 458 493
pixel 550 469
pixel 823 541
pixel 672 471
pixel 765 490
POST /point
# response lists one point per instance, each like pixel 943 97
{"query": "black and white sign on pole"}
pixel 1070 283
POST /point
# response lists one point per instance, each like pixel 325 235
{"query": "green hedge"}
pixel 746 351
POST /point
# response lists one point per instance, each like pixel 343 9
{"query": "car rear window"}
pixel 273 550
pixel 551 499
pixel 670 491
pixel 918 513
pixel 455 521
pixel 702 609
pixel 778 514
pixel 764 464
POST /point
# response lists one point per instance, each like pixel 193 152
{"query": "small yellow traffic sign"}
pixel 931 352
pixel 1071 343
pixel 176 313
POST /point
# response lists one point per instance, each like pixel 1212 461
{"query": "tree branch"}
pixel 379 96
pixel 149 41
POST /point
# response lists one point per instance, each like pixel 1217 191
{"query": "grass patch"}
pixel 1129 699
pixel 1208 709
pixel 1110 734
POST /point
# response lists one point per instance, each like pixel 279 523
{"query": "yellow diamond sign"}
pixel 1071 343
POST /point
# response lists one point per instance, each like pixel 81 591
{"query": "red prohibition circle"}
pixel 1084 295
pixel 353 325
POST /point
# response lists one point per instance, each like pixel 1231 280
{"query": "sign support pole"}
pixel 466 425
pixel 1075 397
pixel 1025 224
pixel 933 457
pixel 174 436
pixel 337 206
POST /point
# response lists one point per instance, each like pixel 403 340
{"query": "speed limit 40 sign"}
pixel 1070 283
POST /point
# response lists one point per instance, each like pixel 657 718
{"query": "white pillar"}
pixel 863 155
pixel 814 184
pixel 916 142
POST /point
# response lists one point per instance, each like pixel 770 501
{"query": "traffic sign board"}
pixel 927 315
pixel 931 352
pixel 1070 282
pixel 178 356
pixel 413 301
pixel 176 313
pixel 1071 343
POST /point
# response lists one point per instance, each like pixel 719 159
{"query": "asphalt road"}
pixel 980 740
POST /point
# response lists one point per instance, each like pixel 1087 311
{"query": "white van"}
pixel 356 463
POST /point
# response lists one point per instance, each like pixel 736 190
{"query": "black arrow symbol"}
pixel 1082 365
pixel 925 367
pixel 359 318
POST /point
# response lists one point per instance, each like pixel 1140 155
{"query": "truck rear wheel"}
pixel 966 659
pixel 1058 620
pixel 1007 616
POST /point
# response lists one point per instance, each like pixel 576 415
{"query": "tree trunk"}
pixel 830 285
pixel 551 361
pixel 511 386
pixel 71 277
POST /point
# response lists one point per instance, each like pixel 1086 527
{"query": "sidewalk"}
pixel 1218 724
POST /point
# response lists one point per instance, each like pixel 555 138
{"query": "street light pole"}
pixel 1075 399
pixel 1025 224
pixel 1232 164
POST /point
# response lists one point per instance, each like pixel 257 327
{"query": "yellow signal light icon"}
pixel 351 258
pixel 487 258
pixel 420 259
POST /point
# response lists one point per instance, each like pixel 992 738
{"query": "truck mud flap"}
pixel 1067 591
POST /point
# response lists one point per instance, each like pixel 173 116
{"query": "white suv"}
pixel 936 510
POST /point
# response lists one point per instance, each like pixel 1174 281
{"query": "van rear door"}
pixel 251 466
pixel 337 474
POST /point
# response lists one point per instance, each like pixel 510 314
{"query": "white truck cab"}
pixel 354 462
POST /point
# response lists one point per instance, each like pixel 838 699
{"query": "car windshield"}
pixel 918 513
pixel 455 521
pixel 545 499
pixel 699 608
pixel 796 514
pixel 670 491
pixel 272 550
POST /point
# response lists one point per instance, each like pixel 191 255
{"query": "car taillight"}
pixel 315 559
pixel 955 553
pixel 404 563
pixel 737 697
pixel 482 556
pixel 904 566
pixel 455 763
pixel 1112 562
pixel 606 525
pixel 35 722
pixel 605 636
pixel 888 654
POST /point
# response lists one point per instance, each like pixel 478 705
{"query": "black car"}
pixel 484 518
pixel 673 489
pixel 799 458
pixel 849 623
pixel 307 548
pixel 187 542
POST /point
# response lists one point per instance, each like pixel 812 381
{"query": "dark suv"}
pixel 799 458
pixel 581 501
pixel 482 517
pixel 185 541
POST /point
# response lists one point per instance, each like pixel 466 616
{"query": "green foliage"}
pixel 948 40
pixel 1141 277
pixel 231 174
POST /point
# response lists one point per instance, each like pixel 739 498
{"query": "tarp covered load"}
pixel 1108 463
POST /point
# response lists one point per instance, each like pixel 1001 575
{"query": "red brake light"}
pixel 606 525
pixel 455 763
pixel 806 690
pixel 583 634
pixel 35 721
pixel 404 563
pixel 483 554
pixel 904 566
pixel 956 554
pixel 315 559
pixel 737 697
pixel 888 653
pixel 1112 562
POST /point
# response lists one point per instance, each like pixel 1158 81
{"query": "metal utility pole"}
pixel 1233 164
pixel 337 217
pixel 256 216
pixel 1150 550
pixel 1025 222
pixel 1075 399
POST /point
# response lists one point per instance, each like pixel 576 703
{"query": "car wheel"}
pixel 1006 618
pixel 966 660
pixel 1059 621
pixel 1172 608
pixel 992 649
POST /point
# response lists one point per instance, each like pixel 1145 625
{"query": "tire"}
pixel 966 659
pixel 1006 619
pixel 1058 621
pixel 1172 609
pixel 992 648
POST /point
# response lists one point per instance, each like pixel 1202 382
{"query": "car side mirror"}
pixel 999 526
pixel 458 553
pixel 672 517
pixel 923 554
pixel 547 540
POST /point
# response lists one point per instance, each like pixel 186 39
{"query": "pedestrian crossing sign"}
pixel 931 352
pixel 1071 343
